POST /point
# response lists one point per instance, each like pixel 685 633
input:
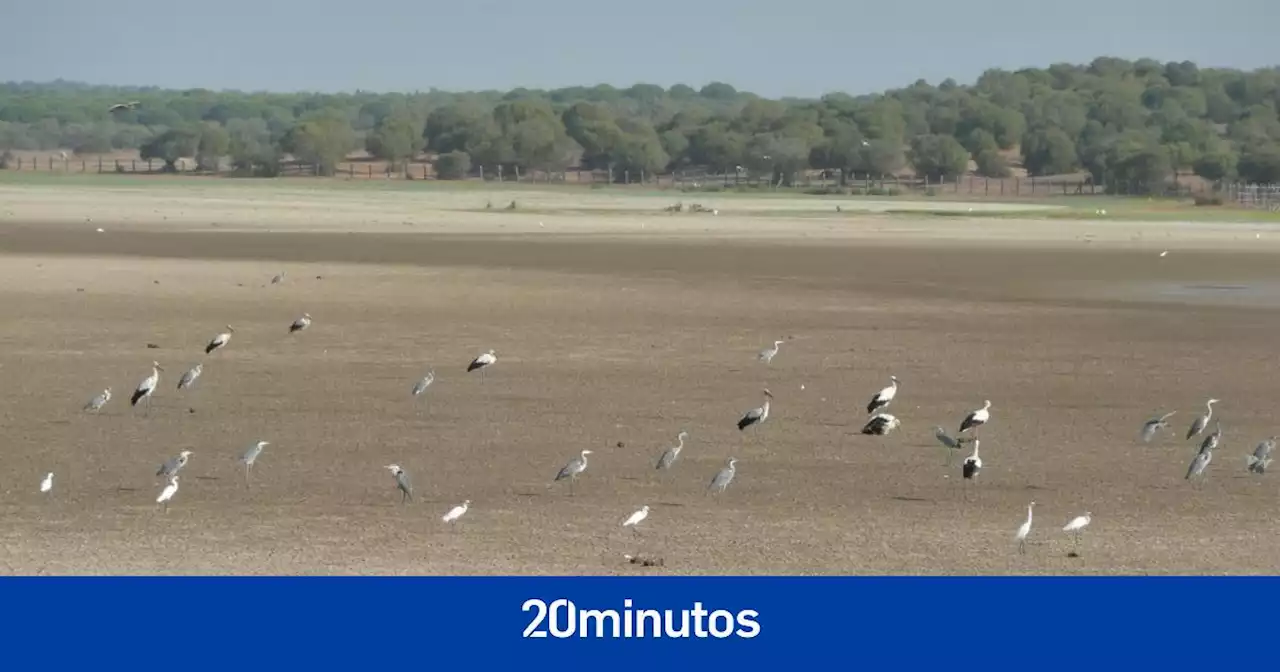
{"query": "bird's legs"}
pixel 1022 546
pixel 247 467
pixel 572 480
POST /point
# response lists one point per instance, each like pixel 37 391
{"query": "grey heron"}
pixel 47 484
pixel 949 443
pixel 1202 421
pixel 189 378
pixel 768 354
pixel 173 465
pixel 249 456
pixel 402 482
pixel 1024 530
pixel 279 278
pixel 756 416
pixel 484 361
pixel 1211 441
pixel 724 477
pixel 881 424
pixel 168 492
pixel 147 387
pixel 1261 457
pixel 634 521
pixel 884 397
pixel 455 513
pixel 670 455
pixel 422 385
pixel 976 418
pixel 1077 524
pixel 95 404
pixel 571 470
pixel 1154 425
pixel 220 340
pixel 300 323
pixel 1198 464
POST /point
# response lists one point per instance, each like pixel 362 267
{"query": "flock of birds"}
pixel 879 423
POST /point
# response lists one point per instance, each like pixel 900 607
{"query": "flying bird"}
pixel 131 105
pixel 1154 425
pixel 724 477
pixel 1261 457
pixel 402 482
pixel 1202 421
pixel 422 385
pixel 756 416
pixel 47 484
pixel 173 465
pixel 1077 524
pixel 189 378
pixel 220 340
pixel 768 354
pixel 670 455
pixel 976 418
pixel 1024 530
pixel 95 404
pixel 485 360
pixel 455 513
pixel 147 387
pixel 634 521
pixel 571 470
pixel 249 456
pixel 168 492
pixel 881 424
pixel 300 323
pixel 884 397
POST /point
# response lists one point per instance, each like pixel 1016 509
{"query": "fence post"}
pixel 1002 186
pixel 986 185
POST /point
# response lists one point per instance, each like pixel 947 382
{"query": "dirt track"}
pixel 606 337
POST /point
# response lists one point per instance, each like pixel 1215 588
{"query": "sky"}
pixel 764 46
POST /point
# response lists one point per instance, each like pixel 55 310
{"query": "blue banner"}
pixel 1081 624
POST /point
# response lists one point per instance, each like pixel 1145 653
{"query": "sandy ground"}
pixel 612 336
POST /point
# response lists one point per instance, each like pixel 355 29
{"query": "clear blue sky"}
pixel 766 46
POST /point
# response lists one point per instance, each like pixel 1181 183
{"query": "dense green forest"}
pixel 1139 122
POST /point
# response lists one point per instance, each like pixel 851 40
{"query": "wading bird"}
pixel 402 482
pixel 189 378
pixel 884 397
pixel 756 416
pixel 1211 441
pixel 949 443
pixel 670 455
pixel 1202 421
pixel 422 385
pixel 95 404
pixel 131 105
pixel 47 484
pixel 1198 464
pixel 972 464
pixel 1024 530
pixel 168 492
pixel 147 387
pixel 249 456
pixel 455 513
pixel 571 470
pixel 300 323
pixel 219 341
pixel 634 521
pixel 976 418
pixel 1154 425
pixel 1261 457
pixel 484 361
pixel 279 278
pixel 173 465
pixel 881 424
pixel 768 354
pixel 724 477
pixel 1077 524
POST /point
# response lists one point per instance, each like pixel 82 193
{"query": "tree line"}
pixel 1137 122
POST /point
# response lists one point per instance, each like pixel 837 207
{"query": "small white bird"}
pixel 47 484
pixel 636 517
pixel 485 360
pixel 1165 253
pixel 189 378
pixel 220 340
pixel 1077 524
pixel 977 418
pixel 168 492
pixel 95 404
pixel 455 513
pixel 422 385
pixel 1024 530
pixel 300 323
pixel 884 397
pixel 768 354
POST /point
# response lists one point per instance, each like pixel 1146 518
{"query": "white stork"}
pixel 484 361
pixel 883 397
pixel 973 463
pixel 756 416
pixel 976 418
pixel 147 387
pixel 881 424
pixel 189 378
pixel 220 340
pixel 300 323
pixel 1202 421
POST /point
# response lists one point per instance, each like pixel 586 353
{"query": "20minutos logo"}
pixel 562 619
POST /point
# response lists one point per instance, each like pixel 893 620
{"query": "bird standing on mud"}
pixel 756 416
